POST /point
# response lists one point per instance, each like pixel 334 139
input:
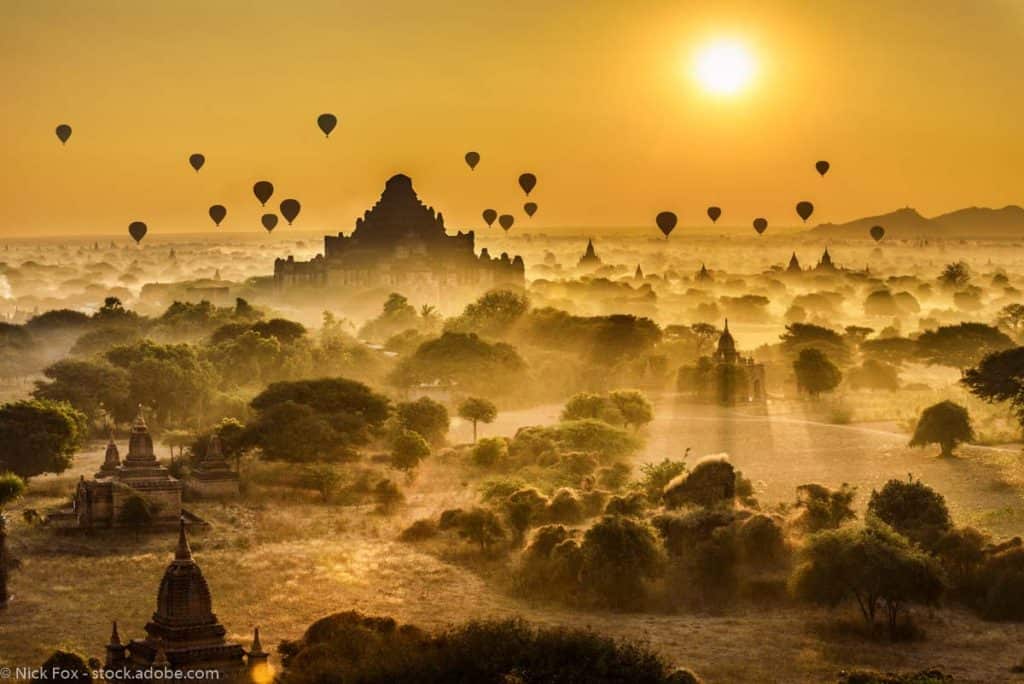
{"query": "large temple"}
pixel 101 502
pixel 402 245
pixel 184 640
pixel 726 377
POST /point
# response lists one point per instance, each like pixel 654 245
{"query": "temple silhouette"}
pixel 401 244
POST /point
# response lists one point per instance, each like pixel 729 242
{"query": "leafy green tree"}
pixel 815 373
pixel 92 387
pixel 999 377
pixel 492 315
pixel 633 406
pixel 462 359
pixel 427 417
pixel 489 451
pixel 397 315
pixel 913 509
pixel 477 410
pixel 619 555
pixel 39 436
pixel 172 379
pixel 657 475
pixel 11 489
pixel 946 424
pixel 480 526
pixel 329 396
pixel 801 336
pixel 408 449
pixel 955 275
pixel 290 431
pixel 962 345
pixel 873 565
pixel 822 508
pixel 1011 318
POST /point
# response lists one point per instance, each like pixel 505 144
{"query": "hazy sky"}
pixel 914 103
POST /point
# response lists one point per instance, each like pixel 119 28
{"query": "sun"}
pixel 724 67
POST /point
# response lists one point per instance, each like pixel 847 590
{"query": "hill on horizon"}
pixel 971 223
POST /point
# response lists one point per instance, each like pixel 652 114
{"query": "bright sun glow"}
pixel 724 67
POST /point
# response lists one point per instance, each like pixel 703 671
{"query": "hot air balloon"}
pixel 63 132
pixel 263 191
pixel 269 221
pixel 217 213
pixel 527 182
pixel 714 213
pixel 327 122
pixel 472 159
pixel 530 208
pixel 666 221
pixel 506 221
pixel 290 209
pixel 760 225
pixel 137 229
pixel 489 216
pixel 196 161
pixel 822 167
pixel 804 210
pixel 877 233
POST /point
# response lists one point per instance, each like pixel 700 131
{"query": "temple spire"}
pixel 184 552
pixel 115 638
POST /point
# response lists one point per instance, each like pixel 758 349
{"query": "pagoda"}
pixel 184 635
pixel 211 474
pixel 589 258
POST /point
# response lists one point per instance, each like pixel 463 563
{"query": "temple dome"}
pixel 140 443
pixel 184 596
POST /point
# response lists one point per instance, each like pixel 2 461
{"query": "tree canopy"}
pixel 946 424
pixel 39 436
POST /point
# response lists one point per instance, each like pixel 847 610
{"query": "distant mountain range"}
pixel 973 223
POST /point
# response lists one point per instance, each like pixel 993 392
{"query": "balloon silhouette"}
pixel 714 213
pixel 506 221
pixel 760 225
pixel 822 167
pixel 63 132
pixel 269 221
pixel 666 221
pixel 263 190
pixel 489 216
pixel 472 158
pixel 877 233
pixel 530 208
pixel 196 161
pixel 290 209
pixel 527 182
pixel 137 229
pixel 804 210
pixel 327 122
pixel 217 213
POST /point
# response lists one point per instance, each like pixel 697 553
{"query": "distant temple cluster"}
pixel 401 244
pixel 725 377
pixel 102 502
pixel 184 635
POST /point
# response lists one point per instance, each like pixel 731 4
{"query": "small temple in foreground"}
pixel 101 502
pixel 184 639
pixel 401 244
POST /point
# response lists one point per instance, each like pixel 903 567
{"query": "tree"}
pixel 11 489
pixel 999 377
pixel 705 334
pixel 874 565
pixel 801 336
pixel 480 526
pixel 824 508
pixel 39 437
pixel 92 387
pixel 408 449
pixel 425 416
pixel 633 406
pixel 322 477
pixel 955 275
pixel 477 410
pixel 136 513
pixel 815 373
pixel 913 509
pixel 962 345
pixel 489 451
pixel 1011 317
pixel 492 315
pixel 946 424
pixel 619 555
pixel 462 359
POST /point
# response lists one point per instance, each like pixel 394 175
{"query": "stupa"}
pixel 211 475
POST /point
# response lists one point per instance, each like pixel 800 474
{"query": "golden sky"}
pixel 915 103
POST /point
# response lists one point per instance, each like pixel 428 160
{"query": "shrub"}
pixel 490 451
pixel 822 508
pixel 565 507
pixel 419 531
pixel 1001 581
pixel 619 556
pixel 408 449
pixel 761 541
pixel 913 509
pixel 631 505
pixel 657 475
pixel 712 482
